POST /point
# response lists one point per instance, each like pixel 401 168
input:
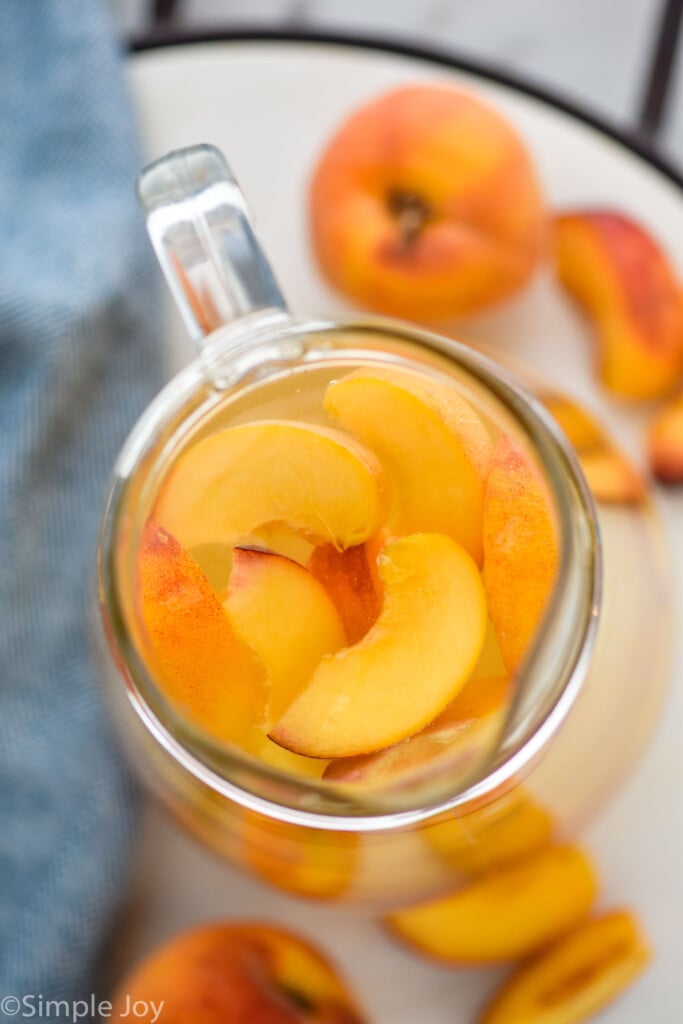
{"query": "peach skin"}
pixel 236 973
pixel 425 205
pixel 351 580
pixel 520 551
pixel 415 659
pixel 623 281
pixel 577 977
pixel 318 481
pixel 203 667
pixel 432 445
pixel 506 914
pixel 665 442
pixel 609 474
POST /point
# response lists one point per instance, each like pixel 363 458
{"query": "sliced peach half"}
pixel 665 442
pixel 575 978
pixel 285 615
pixel 609 474
pixel 621 278
pixel 350 578
pixel 320 482
pixel 414 660
pixel 520 550
pixel 509 829
pixel 461 734
pixel 505 915
pixel 433 446
pixel 201 664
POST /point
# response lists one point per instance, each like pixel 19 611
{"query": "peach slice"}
pixel 350 578
pixel 285 615
pixel 462 733
pixel 425 205
pixel 520 550
pixel 609 474
pixel 575 978
pixel 431 443
pixel 622 279
pixel 316 480
pixel 504 915
pixel 665 442
pixel 414 660
pixel 284 760
pixel 319 864
pixel 203 667
pixel 237 972
pixel 507 830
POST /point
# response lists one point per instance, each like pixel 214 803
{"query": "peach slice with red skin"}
pixel 506 914
pixel 238 972
pixel 350 578
pixel 201 664
pixel 285 615
pixel 412 663
pixel 433 446
pixel 609 474
pixel 463 732
pixel 316 480
pixel 520 550
pixel 665 442
pixel 577 977
pixel 624 282
pixel 425 205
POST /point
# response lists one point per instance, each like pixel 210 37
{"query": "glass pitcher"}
pixel 584 701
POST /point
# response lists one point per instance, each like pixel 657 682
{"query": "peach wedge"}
pixel 431 443
pixel 284 614
pixel 504 915
pixel 316 480
pixel 609 474
pixel 577 977
pixel 665 442
pixel 509 829
pixel 462 733
pixel 350 578
pixel 238 972
pixel 621 278
pixel 414 660
pixel 520 551
pixel 202 665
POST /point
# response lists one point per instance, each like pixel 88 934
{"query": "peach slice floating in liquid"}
pixel 577 977
pixel 458 737
pixel 317 480
pixel 432 444
pixel 520 550
pixel 285 615
pixel 350 578
pixel 414 660
pixel 621 278
pixel 202 666
pixel 506 914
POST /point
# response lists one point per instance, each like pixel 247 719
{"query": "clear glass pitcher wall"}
pixel 559 754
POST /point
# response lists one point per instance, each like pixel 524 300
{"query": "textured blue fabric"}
pixel 78 361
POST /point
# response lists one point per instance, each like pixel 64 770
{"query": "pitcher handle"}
pixel 199 225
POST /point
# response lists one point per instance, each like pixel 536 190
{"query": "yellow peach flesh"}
pixel 414 660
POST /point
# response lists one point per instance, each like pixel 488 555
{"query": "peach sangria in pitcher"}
pixel 368 637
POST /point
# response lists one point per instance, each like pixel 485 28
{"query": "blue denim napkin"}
pixel 78 361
